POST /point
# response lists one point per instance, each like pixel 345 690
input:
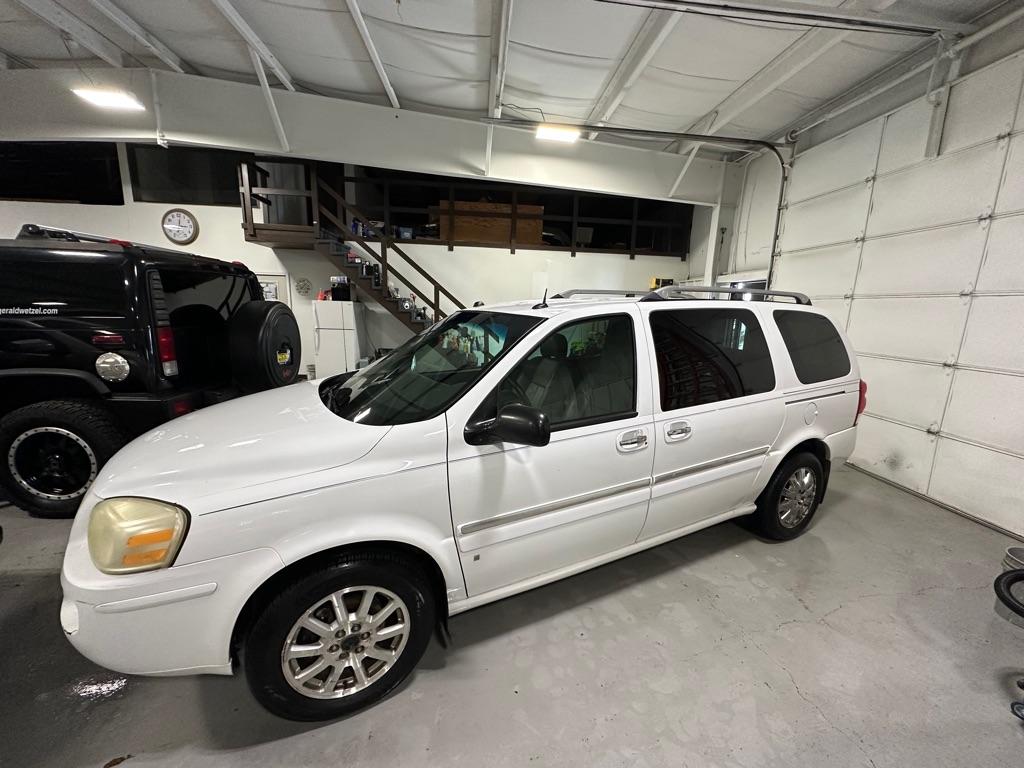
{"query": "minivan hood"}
pixel 249 441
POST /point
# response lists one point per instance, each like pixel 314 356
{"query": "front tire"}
pixel 787 505
pixel 50 452
pixel 340 637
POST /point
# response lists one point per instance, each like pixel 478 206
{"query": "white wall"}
pixel 919 258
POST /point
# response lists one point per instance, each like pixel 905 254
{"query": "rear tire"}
pixel 50 452
pixel 787 505
pixel 264 346
pixel 300 656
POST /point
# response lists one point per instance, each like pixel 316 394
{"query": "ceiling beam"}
pixel 141 36
pixel 254 41
pixel 814 44
pixel 500 29
pixel 649 38
pixel 57 16
pixel 360 22
pixel 854 18
pixel 268 95
pixel 499 57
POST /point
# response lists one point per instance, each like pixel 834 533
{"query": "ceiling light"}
pixel 563 133
pixel 110 99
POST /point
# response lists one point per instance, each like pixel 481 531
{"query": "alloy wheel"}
pixel 345 642
pixel 797 497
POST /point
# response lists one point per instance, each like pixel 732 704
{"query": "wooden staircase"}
pixel 329 235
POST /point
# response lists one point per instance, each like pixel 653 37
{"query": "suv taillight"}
pixel 862 403
pixel 165 350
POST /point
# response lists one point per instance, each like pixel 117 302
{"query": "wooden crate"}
pixel 494 226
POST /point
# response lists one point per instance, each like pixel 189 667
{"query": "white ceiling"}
pixel 437 53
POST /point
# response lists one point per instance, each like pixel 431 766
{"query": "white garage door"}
pixel 922 260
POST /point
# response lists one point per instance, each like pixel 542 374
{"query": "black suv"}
pixel 101 340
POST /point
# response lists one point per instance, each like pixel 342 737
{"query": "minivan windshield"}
pixel 429 372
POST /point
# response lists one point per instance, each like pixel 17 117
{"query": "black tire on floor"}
pixel 98 432
pixel 767 520
pixel 265 642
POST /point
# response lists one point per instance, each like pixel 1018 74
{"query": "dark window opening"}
pixel 60 172
pixel 814 345
pixel 184 175
pixel 708 355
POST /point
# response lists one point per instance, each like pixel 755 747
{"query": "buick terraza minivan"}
pixel 315 535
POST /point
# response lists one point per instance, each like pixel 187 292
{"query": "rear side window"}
pixel 708 355
pixel 84 286
pixel 185 288
pixel 814 344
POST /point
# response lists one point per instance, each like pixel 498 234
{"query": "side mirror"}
pixel 515 423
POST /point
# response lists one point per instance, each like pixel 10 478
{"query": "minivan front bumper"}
pixel 174 621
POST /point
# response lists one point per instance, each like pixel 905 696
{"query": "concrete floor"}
pixel 870 641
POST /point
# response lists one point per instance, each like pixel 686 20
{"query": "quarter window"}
pixel 814 345
pixel 707 355
pixel 583 373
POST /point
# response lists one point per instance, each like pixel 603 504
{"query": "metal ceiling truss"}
pixel 500 28
pixel 254 41
pixel 57 16
pixel 653 32
pixel 141 36
pixel 371 49
pixel 807 15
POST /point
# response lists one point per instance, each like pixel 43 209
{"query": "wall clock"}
pixel 180 226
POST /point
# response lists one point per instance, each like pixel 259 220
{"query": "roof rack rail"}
pixel 670 292
pixel 37 232
pixel 599 292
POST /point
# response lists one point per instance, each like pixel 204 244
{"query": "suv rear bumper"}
pixel 141 412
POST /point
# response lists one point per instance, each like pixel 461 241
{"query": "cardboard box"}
pixel 495 228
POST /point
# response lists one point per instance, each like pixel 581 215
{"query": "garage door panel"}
pixel 949 189
pixel 1003 269
pixel 837 163
pixel 979 108
pixel 910 392
pixel 983 483
pixel 835 218
pixel 987 408
pixel 895 452
pixel 1011 191
pixel 905 136
pixel 918 328
pixel 819 272
pixel 836 309
pixel 933 261
pixel 995 333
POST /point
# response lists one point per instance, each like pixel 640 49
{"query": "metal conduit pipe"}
pixel 952 52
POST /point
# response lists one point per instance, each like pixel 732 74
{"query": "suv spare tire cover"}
pixel 264 346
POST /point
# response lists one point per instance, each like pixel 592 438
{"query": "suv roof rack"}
pixel 599 292
pixel 670 292
pixel 37 232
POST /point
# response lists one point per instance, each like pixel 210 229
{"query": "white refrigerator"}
pixel 335 340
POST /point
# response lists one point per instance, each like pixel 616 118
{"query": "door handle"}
pixel 678 430
pixel 633 440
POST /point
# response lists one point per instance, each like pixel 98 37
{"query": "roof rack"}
pixel 670 292
pixel 37 232
pixel 599 292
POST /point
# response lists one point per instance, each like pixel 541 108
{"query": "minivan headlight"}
pixel 128 535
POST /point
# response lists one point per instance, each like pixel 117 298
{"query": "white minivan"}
pixel 315 535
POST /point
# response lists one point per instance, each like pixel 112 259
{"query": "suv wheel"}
pixel 339 638
pixel 786 506
pixel 50 453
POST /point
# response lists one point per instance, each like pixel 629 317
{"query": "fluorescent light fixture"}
pixel 110 99
pixel 563 133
